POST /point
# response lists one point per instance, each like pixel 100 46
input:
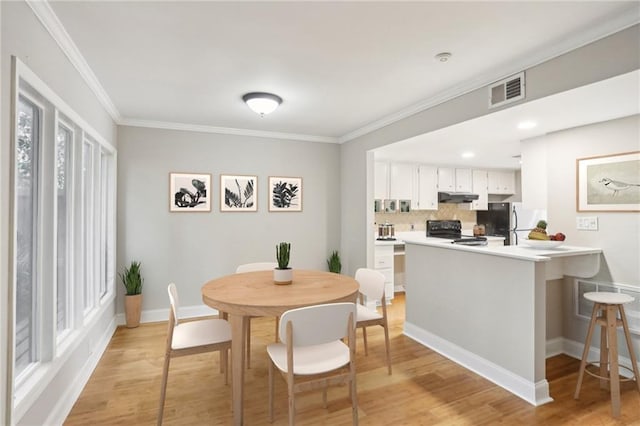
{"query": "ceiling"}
pixel 342 68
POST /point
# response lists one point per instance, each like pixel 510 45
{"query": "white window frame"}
pixel 54 352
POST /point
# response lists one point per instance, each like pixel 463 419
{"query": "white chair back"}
pixel 371 283
pixel 175 304
pixel 318 324
pixel 258 266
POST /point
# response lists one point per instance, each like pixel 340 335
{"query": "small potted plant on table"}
pixel 132 281
pixel 283 274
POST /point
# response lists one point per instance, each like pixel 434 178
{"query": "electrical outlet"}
pixel 587 223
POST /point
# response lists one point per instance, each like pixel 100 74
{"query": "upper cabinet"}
pixel 401 178
pixel 446 179
pixel 454 180
pixel 501 182
pixel 381 182
pixel 479 186
pixel 464 180
pixel 427 188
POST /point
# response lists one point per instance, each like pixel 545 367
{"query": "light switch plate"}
pixel 587 223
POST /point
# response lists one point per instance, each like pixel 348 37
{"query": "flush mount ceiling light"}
pixel 467 154
pixel 262 103
pixel 443 56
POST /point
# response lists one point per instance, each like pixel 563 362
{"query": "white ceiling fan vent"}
pixel 506 91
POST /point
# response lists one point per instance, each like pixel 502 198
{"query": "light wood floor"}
pixel 425 388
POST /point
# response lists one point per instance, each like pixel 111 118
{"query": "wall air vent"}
pixel 506 91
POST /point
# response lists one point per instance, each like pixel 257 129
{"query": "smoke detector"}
pixel 443 56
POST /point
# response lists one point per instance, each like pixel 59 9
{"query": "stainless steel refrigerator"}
pixel 509 220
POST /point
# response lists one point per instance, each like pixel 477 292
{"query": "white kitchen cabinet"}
pixel 384 262
pixel 464 180
pixel 401 176
pixel 446 179
pixel 479 186
pixel 427 188
pixel 454 180
pixel 501 182
pixel 381 180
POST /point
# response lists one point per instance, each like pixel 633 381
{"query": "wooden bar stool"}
pixel 606 307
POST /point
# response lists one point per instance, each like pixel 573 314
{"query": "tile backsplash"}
pixel 402 221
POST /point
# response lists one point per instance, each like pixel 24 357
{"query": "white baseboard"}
pixel 157 315
pixel 65 403
pixel 574 349
pixel 533 393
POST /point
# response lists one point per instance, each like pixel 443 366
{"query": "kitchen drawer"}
pixel 384 262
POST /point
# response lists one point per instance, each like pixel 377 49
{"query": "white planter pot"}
pixel 282 276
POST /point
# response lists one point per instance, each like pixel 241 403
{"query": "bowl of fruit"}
pixel 538 238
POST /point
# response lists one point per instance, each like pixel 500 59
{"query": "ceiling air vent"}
pixel 506 91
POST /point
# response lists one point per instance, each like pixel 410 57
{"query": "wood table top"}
pixel 254 293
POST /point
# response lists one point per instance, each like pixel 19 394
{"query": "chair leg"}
pixel 632 355
pixel 224 364
pixel 354 402
pixel 324 397
pixel 248 334
pixel 277 338
pixel 585 352
pixel 163 386
pixel 270 391
pixel 614 374
pixel 292 399
pixel 604 356
pixel 386 342
pixel 364 338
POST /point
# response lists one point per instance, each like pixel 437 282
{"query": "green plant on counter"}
pixel 132 279
pixel 283 251
pixel 333 262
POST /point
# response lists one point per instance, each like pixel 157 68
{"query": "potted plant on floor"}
pixel 333 262
pixel 132 281
pixel 283 274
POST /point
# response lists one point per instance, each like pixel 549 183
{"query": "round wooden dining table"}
pixel 250 294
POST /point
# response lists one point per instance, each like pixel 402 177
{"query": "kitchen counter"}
pixel 484 307
pixel 420 236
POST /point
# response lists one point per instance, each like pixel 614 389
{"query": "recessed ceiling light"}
pixel 468 154
pixel 528 124
pixel 443 56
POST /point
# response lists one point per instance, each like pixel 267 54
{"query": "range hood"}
pixel 456 197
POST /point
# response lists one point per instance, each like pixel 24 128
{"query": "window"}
pixel 26 194
pixel 62 230
pixel 64 140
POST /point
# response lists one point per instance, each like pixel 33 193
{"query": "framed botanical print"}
pixel 189 192
pixel 285 194
pixel 238 193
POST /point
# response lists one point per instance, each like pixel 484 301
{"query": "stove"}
pixel 452 230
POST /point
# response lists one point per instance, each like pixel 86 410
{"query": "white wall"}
pixel 23 35
pixel 618 232
pixel 192 248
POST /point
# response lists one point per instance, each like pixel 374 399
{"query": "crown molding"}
pixel 224 130
pixel 628 17
pixel 50 21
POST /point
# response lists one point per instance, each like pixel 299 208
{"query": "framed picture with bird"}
pixel 608 183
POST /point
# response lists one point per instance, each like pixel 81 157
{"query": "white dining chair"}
pixel 312 348
pixel 193 337
pixel 252 267
pixel 372 289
